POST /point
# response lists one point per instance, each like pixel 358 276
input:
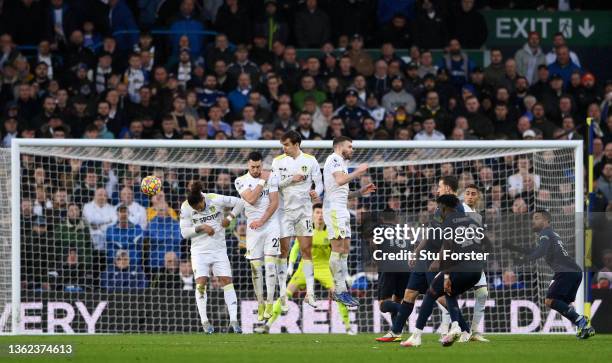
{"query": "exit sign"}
pixel 583 28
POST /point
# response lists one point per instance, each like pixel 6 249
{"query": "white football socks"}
pixel 257 278
pixel 200 297
pixel 270 266
pixel 231 301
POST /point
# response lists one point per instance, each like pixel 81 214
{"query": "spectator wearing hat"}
pixel 589 93
pixel 397 97
pixel 360 59
pixel 272 26
pixel 351 109
pixel 312 26
pixel 530 57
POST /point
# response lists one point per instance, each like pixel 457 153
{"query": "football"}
pixel 151 185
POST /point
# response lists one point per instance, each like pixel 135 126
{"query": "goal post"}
pixel 403 169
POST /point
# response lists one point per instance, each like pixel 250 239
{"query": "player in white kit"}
pixel 471 196
pixel 203 222
pixel 259 190
pixel 336 214
pixel 297 172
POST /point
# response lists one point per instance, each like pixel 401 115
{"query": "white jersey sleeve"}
pixel 187 228
pixel 336 196
pixel 317 177
pixel 472 213
pixel 296 195
pixel 212 215
pixel 247 182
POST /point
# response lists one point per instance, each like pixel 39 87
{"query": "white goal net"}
pixel 66 277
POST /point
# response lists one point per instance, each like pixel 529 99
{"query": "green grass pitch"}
pixel 289 348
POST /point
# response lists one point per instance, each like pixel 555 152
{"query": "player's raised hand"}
pixel 205 228
pixel 314 196
pixel 256 224
pixel 369 188
pixel 298 178
pixel 265 174
pixel 362 169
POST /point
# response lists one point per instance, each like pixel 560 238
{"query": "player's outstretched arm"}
pixel 365 190
pixel 236 204
pixel 343 178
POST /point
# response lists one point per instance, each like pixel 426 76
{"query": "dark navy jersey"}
pixel 552 249
pixel 462 243
pixel 434 244
pixel 352 113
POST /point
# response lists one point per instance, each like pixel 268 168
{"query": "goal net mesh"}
pixel 72 279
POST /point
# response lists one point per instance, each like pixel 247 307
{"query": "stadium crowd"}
pixel 97 71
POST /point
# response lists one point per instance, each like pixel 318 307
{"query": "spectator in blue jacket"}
pixel 187 24
pixel 563 65
pixel 124 236
pixel 164 236
pixel 121 19
pixel 121 276
pixel 240 96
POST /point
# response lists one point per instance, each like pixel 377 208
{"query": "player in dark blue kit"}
pixel 456 275
pixel 391 284
pixel 568 275
pixel 423 272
